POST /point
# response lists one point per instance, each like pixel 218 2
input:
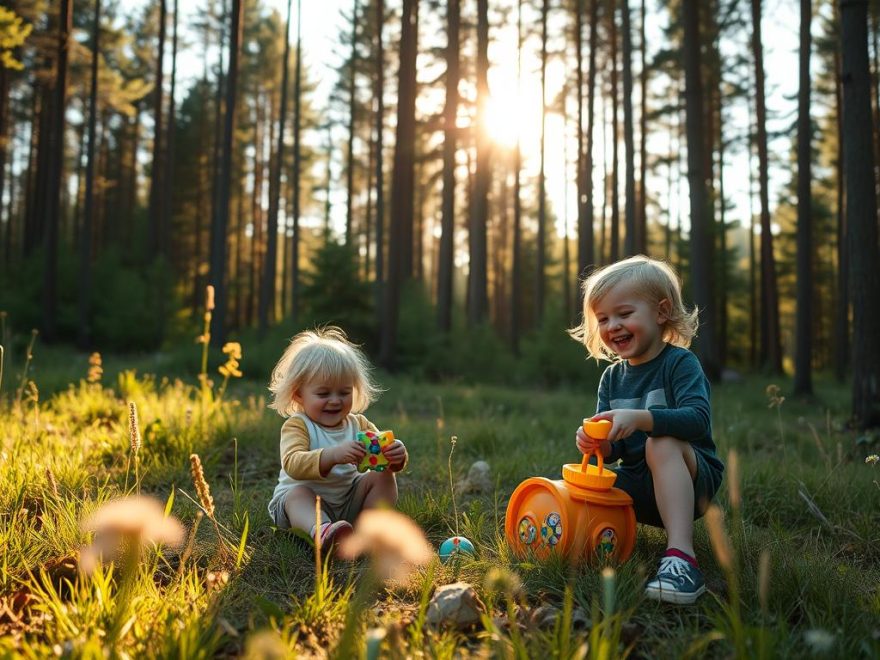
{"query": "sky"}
pixel 322 23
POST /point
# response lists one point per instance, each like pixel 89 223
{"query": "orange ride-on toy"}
pixel 581 516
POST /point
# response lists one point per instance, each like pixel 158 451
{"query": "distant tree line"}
pixel 128 181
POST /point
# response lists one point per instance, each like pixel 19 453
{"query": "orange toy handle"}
pixel 599 431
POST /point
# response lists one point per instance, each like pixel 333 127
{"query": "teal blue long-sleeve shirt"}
pixel 676 391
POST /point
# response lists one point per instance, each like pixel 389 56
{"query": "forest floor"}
pixel 802 576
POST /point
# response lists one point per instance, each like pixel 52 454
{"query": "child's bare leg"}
pixel 299 507
pixel 673 467
pixel 379 489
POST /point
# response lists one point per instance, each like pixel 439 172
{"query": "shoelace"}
pixel 674 566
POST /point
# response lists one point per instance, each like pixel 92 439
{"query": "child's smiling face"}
pixel 629 325
pixel 328 404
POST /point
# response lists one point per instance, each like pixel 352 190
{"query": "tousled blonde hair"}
pixel 650 279
pixel 324 354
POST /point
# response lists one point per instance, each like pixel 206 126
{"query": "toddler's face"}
pixel 629 325
pixel 325 403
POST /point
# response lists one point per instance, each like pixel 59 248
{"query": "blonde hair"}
pixel 323 353
pixel 653 281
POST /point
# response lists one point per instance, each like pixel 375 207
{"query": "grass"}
pixel 803 543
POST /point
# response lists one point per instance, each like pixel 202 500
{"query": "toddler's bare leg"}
pixel 673 466
pixel 299 507
pixel 379 489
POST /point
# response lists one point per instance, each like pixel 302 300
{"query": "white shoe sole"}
pixel 674 597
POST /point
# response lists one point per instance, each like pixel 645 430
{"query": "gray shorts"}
pixel 346 508
pixel 637 481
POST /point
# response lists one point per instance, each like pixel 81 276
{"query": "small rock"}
pixel 478 480
pixel 455 605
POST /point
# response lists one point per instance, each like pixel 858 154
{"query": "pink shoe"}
pixel 333 532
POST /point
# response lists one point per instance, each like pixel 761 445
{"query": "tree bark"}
pixel 445 263
pixel 540 261
pixel 266 310
pixel 861 213
pixel 631 239
pixel 516 248
pixel 803 383
pixel 352 124
pixel 157 220
pixel 85 245
pixel 478 300
pixel 771 351
pixel 380 160
pixel 400 231
pixel 220 222
pixel 705 345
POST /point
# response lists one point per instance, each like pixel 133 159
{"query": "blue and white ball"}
pixel 456 546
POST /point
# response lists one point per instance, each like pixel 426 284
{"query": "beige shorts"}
pixel 346 508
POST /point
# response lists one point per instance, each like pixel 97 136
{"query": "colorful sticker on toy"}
pixel 607 543
pixel 551 530
pixel 374 443
pixel 527 531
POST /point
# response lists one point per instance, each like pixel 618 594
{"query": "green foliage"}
pixel 334 293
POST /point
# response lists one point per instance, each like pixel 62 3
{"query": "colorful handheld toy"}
pixel 582 516
pixel 374 443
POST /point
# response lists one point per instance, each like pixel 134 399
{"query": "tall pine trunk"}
pixel 478 298
pixel 771 350
pixel 380 159
pixel 220 224
pixel 540 261
pixel 705 345
pixel 157 222
pixel 450 112
pixel 400 230
pixel 266 308
pixel 631 240
pixel 85 246
pixel 352 124
pixel 516 248
pixel 861 213
pixel 803 383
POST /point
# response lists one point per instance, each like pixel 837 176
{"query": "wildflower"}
pixel 135 520
pixel 233 350
pixel 819 640
pixel 718 537
pixel 734 492
pixel 201 484
pixel 134 433
pixel 872 459
pixel 772 392
pixel 96 369
pixel 393 540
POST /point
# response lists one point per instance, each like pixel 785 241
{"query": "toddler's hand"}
pixel 348 452
pixel 587 445
pixel 396 454
pixel 625 422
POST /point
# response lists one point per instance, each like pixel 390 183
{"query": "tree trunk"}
pixel 540 261
pixel 266 311
pixel 400 242
pixel 380 160
pixel 861 213
pixel 157 222
pixel 297 166
pixel 85 245
pixel 642 212
pixel 56 165
pixel 631 239
pixel 841 317
pixel 804 292
pixel 516 249
pixel 478 300
pixel 705 345
pixel 168 194
pixel 771 352
pixel 220 222
pixel 445 263
pixel 352 123
pixel 615 135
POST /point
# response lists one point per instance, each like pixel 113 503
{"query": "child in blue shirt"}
pixel 657 397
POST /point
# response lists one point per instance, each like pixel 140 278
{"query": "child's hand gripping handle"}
pixel 597 430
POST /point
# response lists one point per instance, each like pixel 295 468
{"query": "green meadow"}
pixel 793 569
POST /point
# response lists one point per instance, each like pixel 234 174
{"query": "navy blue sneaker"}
pixel 677 581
